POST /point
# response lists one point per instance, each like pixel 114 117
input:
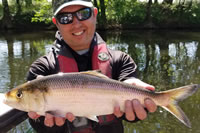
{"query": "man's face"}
pixel 78 34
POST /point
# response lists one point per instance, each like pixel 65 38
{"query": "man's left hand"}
pixel 133 108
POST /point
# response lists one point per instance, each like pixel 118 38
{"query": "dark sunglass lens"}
pixel 65 18
pixel 84 14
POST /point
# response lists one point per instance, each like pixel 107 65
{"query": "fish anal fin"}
pixel 93 118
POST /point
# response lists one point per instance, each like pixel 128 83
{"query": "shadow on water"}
pixel 165 59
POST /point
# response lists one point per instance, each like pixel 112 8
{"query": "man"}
pixel 79 48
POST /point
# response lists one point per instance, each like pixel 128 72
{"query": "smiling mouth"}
pixel 78 33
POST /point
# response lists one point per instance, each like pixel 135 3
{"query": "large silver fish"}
pixel 90 94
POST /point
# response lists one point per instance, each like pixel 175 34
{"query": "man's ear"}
pixel 95 11
pixel 54 20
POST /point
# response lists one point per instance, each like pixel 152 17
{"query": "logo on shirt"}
pixel 103 56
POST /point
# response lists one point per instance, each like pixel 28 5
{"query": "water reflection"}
pixel 17 52
pixel 165 59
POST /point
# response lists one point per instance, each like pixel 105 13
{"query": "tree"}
pixel 95 4
pixel 6 22
pixel 103 13
pixel 148 22
pixel 168 1
pixel 19 9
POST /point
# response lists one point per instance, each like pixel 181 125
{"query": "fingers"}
pixel 70 117
pixel 39 76
pixel 150 105
pixel 150 87
pixel 33 115
pixel 49 120
pixel 142 84
pixel 129 111
pixel 139 109
pixel 117 112
pixel 59 121
pixel 135 109
pixel 139 83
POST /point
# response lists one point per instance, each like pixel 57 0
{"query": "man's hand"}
pixel 139 83
pixel 133 108
pixel 51 120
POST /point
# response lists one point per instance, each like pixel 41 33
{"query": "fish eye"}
pixel 19 94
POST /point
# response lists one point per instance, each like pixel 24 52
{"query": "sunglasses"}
pixel 67 17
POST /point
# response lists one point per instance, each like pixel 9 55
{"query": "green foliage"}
pixel 130 13
pixel 44 14
pixel 192 15
pixel 176 14
pixel 126 11
pixel 23 18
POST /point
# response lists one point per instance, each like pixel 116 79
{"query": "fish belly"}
pixel 84 102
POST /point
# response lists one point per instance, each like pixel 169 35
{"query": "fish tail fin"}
pixel 176 95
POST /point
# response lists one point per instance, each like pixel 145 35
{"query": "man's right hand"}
pixel 51 120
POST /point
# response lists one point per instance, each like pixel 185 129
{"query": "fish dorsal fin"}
pixel 96 73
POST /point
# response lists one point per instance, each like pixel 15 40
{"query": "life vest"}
pixel 100 61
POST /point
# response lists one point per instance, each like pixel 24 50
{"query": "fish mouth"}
pixel 3 97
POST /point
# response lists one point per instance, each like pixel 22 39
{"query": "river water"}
pixel 165 59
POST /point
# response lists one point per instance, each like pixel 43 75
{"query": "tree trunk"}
pixel 6 22
pixel 168 1
pixel 190 4
pixel 148 13
pixel 19 9
pixel 95 3
pixel 198 51
pixel 148 23
pixel 103 13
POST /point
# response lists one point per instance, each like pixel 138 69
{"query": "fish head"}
pixel 25 99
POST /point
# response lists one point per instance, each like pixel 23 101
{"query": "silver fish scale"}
pixel 86 81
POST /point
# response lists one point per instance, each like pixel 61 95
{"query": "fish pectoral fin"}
pixel 96 73
pixel 93 118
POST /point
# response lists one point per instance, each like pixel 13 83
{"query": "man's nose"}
pixel 75 20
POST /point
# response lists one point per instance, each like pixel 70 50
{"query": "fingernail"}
pixel 152 88
pixel 135 101
pixel 128 103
